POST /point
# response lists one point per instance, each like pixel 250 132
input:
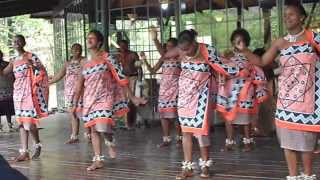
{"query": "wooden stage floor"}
pixel 139 158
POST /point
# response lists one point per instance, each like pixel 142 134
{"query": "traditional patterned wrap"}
pixel 168 92
pixel 196 84
pixel 103 97
pixel 31 89
pixel 73 72
pixel 241 93
pixel 298 104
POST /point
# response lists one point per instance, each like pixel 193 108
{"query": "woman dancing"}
pixel 297 114
pixel 104 88
pixel 168 94
pixel 30 96
pixel 71 71
pixel 238 97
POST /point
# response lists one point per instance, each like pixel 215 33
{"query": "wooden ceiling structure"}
pixel 20 7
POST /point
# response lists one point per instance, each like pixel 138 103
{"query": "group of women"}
pixel 195 81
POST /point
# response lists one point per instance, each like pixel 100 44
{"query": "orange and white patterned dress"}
pixel 73 72
pixel 239 96
pixel 103 97
pixel 168 92
pixel 298 103
pixel 198 88
pixel 30 94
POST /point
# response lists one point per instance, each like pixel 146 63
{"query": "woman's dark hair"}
pixel 1 54
pixel 174 41
pixel 124 42
pixel 259 51
pixel 21 37
pixel 298 6
pixel 187 36
pixel 99 36
pixel 243 33
pixel 77 44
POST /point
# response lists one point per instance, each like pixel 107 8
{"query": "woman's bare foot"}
pixel 178 141
pixel 112 152
pixel 184 174
pixel 247 144
pixel 166 141
pixel 229 145
pixel 205 165
pixel 187 170
pixel 37 151
pixel 24 156
pixel 111 148
pixel 73 140
pixel 87 136
pixel 97 163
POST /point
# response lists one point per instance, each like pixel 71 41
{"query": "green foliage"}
pixel 38 32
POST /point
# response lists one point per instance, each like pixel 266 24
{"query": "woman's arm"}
pixel 154 69
pixel 60 75
pixel 159 47
pixel 173 53
pixel 154 36
pixel 7 70
pixel 266 59
pixel 135 100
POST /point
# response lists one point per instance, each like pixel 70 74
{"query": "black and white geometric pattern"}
pixel 195 67
pixel 120 105
pixel 214 58
pixel 261 93
pixel 25 113
pixel 117 67
pixel 165 104
pixel 305 48
pixel 246 104
pixel 42 100
pixel 95 69
pixel 197 121
pixel 231 101
pixel 20 68
pixel 316 38
pixel 97 114
pixel 171 64
pixel 301 118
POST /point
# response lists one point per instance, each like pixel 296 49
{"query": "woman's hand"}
pixel 137 101
pixel 143 56
pixel 50 78
pixel 153 33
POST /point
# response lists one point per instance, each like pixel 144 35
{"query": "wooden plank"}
pixel 139 158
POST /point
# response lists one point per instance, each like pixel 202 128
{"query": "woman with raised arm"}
pixel 30 95
pixel 298 103
pixel 238 97
pixel 168 94
pixel 197 90
pixel 104 88
pixel 71 70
